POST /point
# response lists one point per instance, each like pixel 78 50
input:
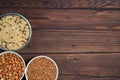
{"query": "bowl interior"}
pixel 30 34
pixel 57 72
pixel 7 52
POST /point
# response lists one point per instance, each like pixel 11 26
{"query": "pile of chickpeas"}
pixel 11 66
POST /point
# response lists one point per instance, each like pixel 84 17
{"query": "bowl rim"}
pixel 57 70
pixel 29 25
pixel 7 52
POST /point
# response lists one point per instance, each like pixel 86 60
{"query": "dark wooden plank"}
pixel 84 78
pixel 74 41
pixel 60 3
pixel 85 66
pixel 45 19
pixel 62 77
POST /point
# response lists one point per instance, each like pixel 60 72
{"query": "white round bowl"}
pixel 57 71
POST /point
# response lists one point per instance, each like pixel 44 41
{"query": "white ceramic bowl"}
pixel 42 57
pixel 7 52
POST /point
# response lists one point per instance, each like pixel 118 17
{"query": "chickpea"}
pixel 9 69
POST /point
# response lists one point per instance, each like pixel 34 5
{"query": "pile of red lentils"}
pixel 11 67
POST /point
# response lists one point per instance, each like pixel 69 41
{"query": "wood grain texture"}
pixel 83 78
pixel 85 66
pixel 74 41
pixel 82 36
pixel 62 77
pixel 80 78
pixel 45 19
pixel 72 30
pixel 60 4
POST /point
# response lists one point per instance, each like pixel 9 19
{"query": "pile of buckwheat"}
pixel 41 69
pixel 11 67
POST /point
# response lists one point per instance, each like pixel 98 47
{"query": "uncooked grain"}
pixel 41 69
pixel 14 32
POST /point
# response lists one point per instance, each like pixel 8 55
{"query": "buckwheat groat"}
pixel 41 69
pixel 14 32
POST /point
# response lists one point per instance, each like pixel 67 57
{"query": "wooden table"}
pixel 82 36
